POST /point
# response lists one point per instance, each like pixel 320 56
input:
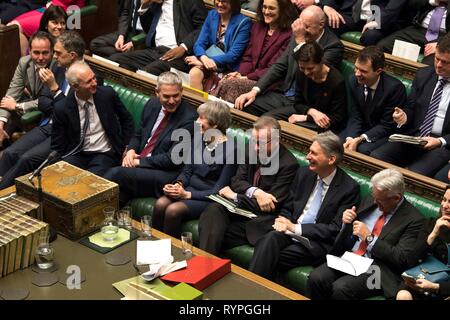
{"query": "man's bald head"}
pixel 314 13
pixel 313 19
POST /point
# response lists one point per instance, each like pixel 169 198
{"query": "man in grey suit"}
pixel 310 26
pixel 25 87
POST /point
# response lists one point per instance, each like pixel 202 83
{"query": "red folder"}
pixel 201 272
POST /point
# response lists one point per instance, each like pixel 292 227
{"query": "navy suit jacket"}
pixel 233 49
pixel 395 245
pixel 419 100
pixel 375 119
pixel 114 117
pixel 182 118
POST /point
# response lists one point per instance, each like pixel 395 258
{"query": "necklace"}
pixel 211 146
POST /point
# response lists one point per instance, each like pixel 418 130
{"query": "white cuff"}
pixel 298 46
pixel 443 142
pixel 366 137
pixel 258 90
pixel 250 191
pixel 185 47
pixel 3 119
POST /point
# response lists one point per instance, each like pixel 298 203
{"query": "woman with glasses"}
pixel 269 38
pixel 29 22
pixel 220 44
pixel 212 164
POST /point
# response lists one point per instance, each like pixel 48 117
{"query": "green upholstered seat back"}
pixel 133 101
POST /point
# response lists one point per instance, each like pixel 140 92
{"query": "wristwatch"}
pixel 369 238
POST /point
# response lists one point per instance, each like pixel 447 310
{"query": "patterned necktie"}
pixel 427 124
pixel 311 214
pixel 435 23
pixel 135 16
pixel 148 149
pixel 86 123
pixel 375 232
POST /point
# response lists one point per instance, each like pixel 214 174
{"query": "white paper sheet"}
pixel 150 252
pixel 349 263
pixel 406 50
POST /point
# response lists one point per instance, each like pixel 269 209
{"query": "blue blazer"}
pixel 233 51
pixel 182 118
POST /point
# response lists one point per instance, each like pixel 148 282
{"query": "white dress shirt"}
pixel 165 29
pixel 96 139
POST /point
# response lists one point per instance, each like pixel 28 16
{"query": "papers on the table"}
pixel 349 263
pixel 231 206
pixel 161 269
pixel 153 252
pixel 406 50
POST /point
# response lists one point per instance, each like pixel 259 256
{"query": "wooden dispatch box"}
pixel 73 198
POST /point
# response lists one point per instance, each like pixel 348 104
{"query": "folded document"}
pixel 231 206
pixel 407 139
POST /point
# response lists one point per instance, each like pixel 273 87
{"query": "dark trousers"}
pixel 442 174
pixel 326 283
pixel 95 162
pixel 220 229
pixel 148 60
pixel 9 12
pixel 368 38
pixel 140 182
pixel 278 250
pixel 269 101
pixel 415 158
pixel 25 155
pixel 104 45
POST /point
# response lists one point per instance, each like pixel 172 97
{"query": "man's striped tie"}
pixel 427 124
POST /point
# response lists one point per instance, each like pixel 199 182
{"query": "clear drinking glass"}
pixel 146 225
pixel 110 227
pixel 44 251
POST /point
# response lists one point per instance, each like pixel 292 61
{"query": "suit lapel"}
pixel 310 182
pixel 176 17
pixel 30 81
pixel 74 115
pixel 428 90
pixel 154 112
pixel 395 220
pixel 333 189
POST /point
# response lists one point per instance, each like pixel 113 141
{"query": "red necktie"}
pixel 151 144
pixel 375 232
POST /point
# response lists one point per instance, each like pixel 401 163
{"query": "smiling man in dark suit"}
pixel 384 228
pixel 91 127
pixel 374 95
pixel 426 114
pixel 148 165
pixel 310 26
pixel 252 189
pixel 174 27
pixel 318 196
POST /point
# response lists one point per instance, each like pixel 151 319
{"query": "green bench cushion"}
pixel 352 36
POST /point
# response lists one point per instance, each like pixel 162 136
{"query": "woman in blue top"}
pixel 205 175
pixel 228 32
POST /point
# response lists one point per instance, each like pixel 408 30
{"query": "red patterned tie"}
pixel 375 232
pixel 151 144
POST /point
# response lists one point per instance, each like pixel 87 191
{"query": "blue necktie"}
pixel 427 124
pixel 311 214
pixel 64 86
pixel 152 31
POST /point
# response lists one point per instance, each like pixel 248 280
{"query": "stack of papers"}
pixel 231 206
pixel 407 139
pixel 154 252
